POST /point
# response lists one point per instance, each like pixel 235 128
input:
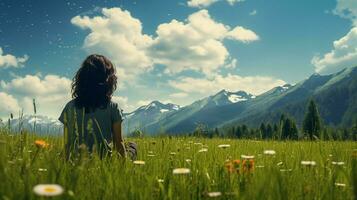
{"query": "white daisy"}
pixel 308 163
pixel 139 162
pixel 338 163
pixel 269 152
pixel 340 184
pixel 48 190
pixel 214 194
pixel 181 171
pixel 247 156
pixel 223 146
pixel 203 150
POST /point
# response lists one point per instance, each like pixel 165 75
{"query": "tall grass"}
pixel 281 176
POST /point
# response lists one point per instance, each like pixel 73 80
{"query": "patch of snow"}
pixel 163 110
pixel 236 98
pixel 253 97
pixel 176 107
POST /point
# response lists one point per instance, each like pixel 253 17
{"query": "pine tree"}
pixel 312 122
pixel 216 132
pixel 262 130
pixel 354 131
pixel 269 131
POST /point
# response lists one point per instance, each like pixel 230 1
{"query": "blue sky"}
pixel 172 51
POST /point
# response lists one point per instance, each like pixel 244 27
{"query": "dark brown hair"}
pixel 94 83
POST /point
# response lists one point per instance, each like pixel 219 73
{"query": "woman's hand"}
pixel 118 139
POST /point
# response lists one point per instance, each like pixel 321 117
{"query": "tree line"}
pixel 285 129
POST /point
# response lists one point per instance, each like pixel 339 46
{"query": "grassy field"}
pixel 212 170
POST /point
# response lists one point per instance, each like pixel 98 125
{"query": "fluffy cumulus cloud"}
pixel 8 60
pixel 119 36
pixel 344 52
pixel 206 3
pixel 195 44
pixel 202 51
pixel 51 92
pixel 252 84
pixel 242 34
pixel 8 105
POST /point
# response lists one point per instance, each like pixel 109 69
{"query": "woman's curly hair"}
pixel 94 83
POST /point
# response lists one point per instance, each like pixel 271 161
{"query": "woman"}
pixel 91 119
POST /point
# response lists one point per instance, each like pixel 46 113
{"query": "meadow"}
pixel 213 168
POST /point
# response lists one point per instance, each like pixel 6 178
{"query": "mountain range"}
pixel 334 94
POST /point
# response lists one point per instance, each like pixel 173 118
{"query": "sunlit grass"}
pixel 178 170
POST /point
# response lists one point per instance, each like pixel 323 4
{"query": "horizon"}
pixel 253 48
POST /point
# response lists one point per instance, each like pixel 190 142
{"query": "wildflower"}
pixel 48 190
pixel 338 163
pixel 41 144
pixel 286 170
pixel 308 163
pixel 42 170
pixel 340 184
pixel 188 160
pixel 160 180
pixel 214 194
pixel 279 163
pixel 229 166
pixel 203 150
pixel 247 157
pixel 248 165
pixel 172 153
pixel 233 166
pixel 181 171
pixel 269 152
pixel 139 162
pixel 223 146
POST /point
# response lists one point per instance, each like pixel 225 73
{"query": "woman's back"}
pixel 94 129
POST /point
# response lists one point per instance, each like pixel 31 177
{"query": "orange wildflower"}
pixel 41 144
pixel 229 167
pixel 233 166
pixel 248 165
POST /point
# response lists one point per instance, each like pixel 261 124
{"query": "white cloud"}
pixel 344 52
pixel 51 93
pixel 252 84
pixel 8 105
pixel 8 60
pixel 143 102
pixel 200 3
pixel 119 36
pixel 195 44
pixel 179 95
pixel 207 3
pixel 33 85
pixel 202 51
pixel 242 34
pixel 232 2
pixel 123 103
pixel 347 9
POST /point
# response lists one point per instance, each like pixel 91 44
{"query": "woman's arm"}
pixel 118 139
